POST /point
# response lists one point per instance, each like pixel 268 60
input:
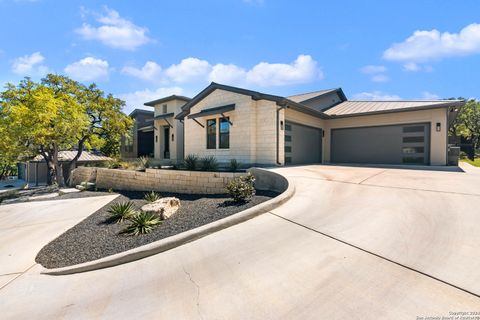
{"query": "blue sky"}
pixel 144 50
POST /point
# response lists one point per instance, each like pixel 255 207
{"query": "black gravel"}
pixel 95 238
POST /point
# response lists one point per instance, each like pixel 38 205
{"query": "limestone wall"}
pixel 157 180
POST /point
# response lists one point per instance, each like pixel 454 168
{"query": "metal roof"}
pixel 68 155
pixel 165 99
pixel 310 95
pixel 356 108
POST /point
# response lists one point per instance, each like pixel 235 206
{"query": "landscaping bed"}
pixel 97 237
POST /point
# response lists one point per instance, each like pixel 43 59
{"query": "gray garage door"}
pixel 398 144
pixel 303 144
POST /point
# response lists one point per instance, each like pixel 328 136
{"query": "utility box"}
pixel 453 155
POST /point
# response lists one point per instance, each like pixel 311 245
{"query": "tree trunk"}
pixel 73 163
pixel 58 168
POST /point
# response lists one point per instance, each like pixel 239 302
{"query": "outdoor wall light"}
pixel 439 126
pixel 173 137
pixel 281 125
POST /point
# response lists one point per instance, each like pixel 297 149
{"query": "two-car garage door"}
pixel 393 144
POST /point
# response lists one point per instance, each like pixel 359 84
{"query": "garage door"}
pixel 398 144
pixel 303 144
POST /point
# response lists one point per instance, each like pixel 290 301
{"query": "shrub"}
pixel 121 211
pixel 190 162
pixel 143 163
pixel 209 163
pixel 142 223
pixel 234 165
pixel 152 196
pixel 241 189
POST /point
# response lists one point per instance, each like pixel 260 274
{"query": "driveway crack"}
pixel 198 291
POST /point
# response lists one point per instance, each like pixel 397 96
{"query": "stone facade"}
pixel 156 179
pixel 252 133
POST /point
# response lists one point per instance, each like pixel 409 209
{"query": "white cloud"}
pixel 189 69
pixel 115 31
pixel 303 69
pixel 370 69
pixel 151 71
pixel 415 67
pixel 30 65
pixel 88 69
pixel 375 96
pixel 228 74
pixel 429 96
pixel 424 46
pixel 380 78
pixel 138 98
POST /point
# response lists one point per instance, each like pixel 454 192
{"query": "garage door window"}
pixel 413 129
pixel 413 139
pixel 413 149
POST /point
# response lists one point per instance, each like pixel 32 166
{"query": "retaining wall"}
pixel 155 179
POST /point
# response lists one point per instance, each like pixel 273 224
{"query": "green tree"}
pixel 59 114
pixel 467 122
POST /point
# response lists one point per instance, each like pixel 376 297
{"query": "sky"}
pixel 144 50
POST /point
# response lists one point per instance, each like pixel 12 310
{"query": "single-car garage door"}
pixel 395 144
pixel 303 144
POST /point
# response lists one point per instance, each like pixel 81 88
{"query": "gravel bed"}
pixel 95 238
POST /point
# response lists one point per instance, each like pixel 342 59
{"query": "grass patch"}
pixel 475 163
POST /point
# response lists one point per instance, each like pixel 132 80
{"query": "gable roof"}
pixel 135 112
pixel 255 95
pixel 165 99
pixel 303 97
pixel 357 108
pixel 68 155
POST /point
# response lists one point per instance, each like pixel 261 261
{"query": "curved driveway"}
pixel 355 243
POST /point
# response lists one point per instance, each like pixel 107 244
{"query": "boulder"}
pixel 164 207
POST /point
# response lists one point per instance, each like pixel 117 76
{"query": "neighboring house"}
pixel 169 135
pixel 318 127
pixel 139 141
pixel 35 171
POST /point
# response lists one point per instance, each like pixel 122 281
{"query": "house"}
pixel 139 141
pixel 35 171
pixel 169 134
pixel 317 127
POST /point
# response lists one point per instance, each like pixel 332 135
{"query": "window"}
pixel 211 134
pixel 288 138
pixel 288 160
pixel 413 129
pixel 412 149
pixel 288 149
pixel 224 133
pixel 412 139
pixel 164 108
pixel 288 127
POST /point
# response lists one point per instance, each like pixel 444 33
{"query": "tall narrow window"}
pixel 164 108
pixel 212 134
pixel 224 141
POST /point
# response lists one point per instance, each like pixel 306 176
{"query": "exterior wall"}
pixel 438 140
pixel 157 180
pixel 175 146
pixel 252 135
pixel 141 119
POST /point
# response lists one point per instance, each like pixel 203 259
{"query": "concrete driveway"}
pixel 356 243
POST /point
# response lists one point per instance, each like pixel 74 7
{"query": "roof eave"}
pixel 165 99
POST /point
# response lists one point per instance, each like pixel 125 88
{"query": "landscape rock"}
pixel 164 207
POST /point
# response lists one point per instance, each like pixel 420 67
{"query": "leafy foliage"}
pixel 209 163
pixel 152 196
pixel 142 223
pixel 121 211
pixel 234 165
pixel 242 189
pixel 190 162
pixel 467 122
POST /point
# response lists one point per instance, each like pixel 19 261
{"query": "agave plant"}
pixel 209 163
pixel 121 211
pixel 144 163
pixel 234 165
pixel 142 223
pixel 152 196
pixel 190 162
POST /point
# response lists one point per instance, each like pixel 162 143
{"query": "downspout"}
pixel 278 135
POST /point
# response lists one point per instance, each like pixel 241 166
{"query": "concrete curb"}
pixel 181 238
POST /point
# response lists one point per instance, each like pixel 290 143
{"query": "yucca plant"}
pixel 209 163
pixel 190 162
pixel 142 223
pixel 144 163
pixel 152 196
pixel 234 165
pixel 121 211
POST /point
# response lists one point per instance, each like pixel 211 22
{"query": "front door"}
pixel 166 142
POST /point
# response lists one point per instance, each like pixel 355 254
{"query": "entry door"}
pixel 166 142
pixel 303 144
